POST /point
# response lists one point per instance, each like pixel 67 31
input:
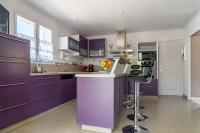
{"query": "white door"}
pixel 170 68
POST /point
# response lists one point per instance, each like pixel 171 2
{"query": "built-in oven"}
pixel 146 55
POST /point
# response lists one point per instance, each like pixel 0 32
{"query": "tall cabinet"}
pixel 14 79
pixel 148 51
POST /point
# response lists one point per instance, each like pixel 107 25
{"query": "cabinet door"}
pixel 13 94
pixel 14 114
pixel 150 89
pixel 14 47
pixel 97 48
pixel 83 47
pixel 45 93
pixel 14 101
pixel 73 45
pixel 12 69
pixel 68 91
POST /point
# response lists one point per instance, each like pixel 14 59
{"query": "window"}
pixel 45 45
pixel 26 29
pixel 41 47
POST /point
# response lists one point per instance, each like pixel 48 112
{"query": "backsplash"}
pixel 59 67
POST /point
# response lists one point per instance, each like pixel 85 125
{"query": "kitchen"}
pixel 46 63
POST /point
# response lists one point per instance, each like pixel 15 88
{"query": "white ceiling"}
pixel 96 17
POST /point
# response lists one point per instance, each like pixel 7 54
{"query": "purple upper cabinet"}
pixel 97 47
pixel 14 47
pixel 83 46
pixel 73 44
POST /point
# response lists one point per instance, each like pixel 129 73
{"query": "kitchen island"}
pixel 100 100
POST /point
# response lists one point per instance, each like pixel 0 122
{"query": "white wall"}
pixel 191 28
pixel 29 12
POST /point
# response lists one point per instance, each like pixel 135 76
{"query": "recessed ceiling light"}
pixel 121 13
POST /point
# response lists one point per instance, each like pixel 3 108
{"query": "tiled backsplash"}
pixel 59 67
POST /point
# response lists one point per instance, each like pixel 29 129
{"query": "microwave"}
pixel 147 55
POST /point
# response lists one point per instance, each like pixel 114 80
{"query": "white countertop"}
pixel 58 73
pixel 102 75
pixel 81 74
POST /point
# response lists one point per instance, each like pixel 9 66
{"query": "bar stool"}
pixel 129 99
pixel 137 79
pixel 136 71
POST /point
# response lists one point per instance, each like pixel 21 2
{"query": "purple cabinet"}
pixel 68 90
pixel 97 47
pixel 83 46
pixel 150 89
pixel 99 101
pixel 14 69
pixel 146 89
pixel 14 79
pixel 73 44
pixel 45 93
pixel 14 47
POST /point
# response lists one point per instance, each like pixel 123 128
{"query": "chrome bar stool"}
pixel 129 99
pixel 137 77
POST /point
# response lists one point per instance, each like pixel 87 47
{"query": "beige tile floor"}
pixel 169 114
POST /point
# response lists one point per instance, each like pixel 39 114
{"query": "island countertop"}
pixel 105 75
pixel 58 73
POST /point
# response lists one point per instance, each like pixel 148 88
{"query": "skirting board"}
pixel 31 119
pixel 96 129
pixel 195 99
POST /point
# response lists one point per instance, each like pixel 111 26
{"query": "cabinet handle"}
pixel 45 98
pixel 21 62
pixel 45 78
pixel 6 85
pixel 44 85
pixel 16 106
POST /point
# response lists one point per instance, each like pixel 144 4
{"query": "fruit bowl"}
pixel 105 64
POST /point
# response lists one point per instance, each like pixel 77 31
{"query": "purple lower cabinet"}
pixel 14 114
pixel 68 90
pixel 150 89
pixel 14 102
pixel 98 101
pixel 45 93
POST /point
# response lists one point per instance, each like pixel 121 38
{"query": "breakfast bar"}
pixel 99 100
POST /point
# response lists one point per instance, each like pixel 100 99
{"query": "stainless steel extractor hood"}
pixel 121 46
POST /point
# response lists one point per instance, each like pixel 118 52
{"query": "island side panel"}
pixel 95 102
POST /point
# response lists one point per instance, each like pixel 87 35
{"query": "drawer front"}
pixel 14 69
pixel 44 104
pixel 14 114
pixel 13 48
pixel 44 90
pixel 45 79
pixel 13 94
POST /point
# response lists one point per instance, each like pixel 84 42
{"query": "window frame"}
pixel 36 34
